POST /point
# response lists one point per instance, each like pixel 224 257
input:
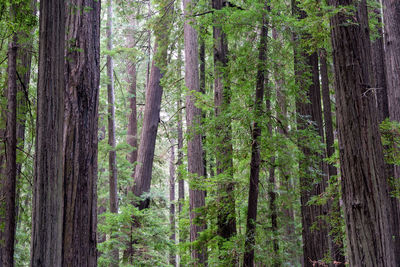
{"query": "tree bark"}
pixel 112 156
pixel 48 192
pixel 388 94
pixel 80 132
pixel 255 147
pixel 308 107
pixel 172 256
pixel 8 179
pixel 222 98
pixel 194 143
pixel 336 249
pixel 364 186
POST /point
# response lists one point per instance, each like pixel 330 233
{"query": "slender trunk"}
pixel 202 58
pixel 194 144
pixel 335 242
pixel 172 256
pixel 315 243
pixel 222 98
pixel 112 156
pixel 255 148
pixel 285 184
pixel 132 123
pixel 388 94
pixel 80 132
pixel 24 62
pixel 181 182
pixel 48 194
pixel 147 144
pixel 364 186
pixel 272 182
pixel 8 180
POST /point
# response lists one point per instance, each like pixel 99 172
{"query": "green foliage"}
pixel 390 136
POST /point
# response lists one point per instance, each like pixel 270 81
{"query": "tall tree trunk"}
pixel 255 147
pixel 181 182
pixel 172 256
pixel 147 144
pixel 336 248
pixel 315 243
pixel 8 179
pixel 48 194
pixel 388 94
pixel 195 147
pixel 132 122
pixel 222 98
pixel 24 62
pixel 112 156
pixel 364 185
pixel 285 173
pixel 132 127
pixel 271 175
pixel 80 132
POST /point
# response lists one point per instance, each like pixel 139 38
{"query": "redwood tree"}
pixel 194 143
pixel 364 185
pixel 82 72
pixel 48 194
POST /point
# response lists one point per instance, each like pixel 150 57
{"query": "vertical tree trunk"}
pixel 388 94
pixel 181 182
pixel 222 98
pixel 255 147
pixel 336 249
pixel 315 243
pixel 8 179
pixel 195 148
pixel 112 156
pixel 132 122
pixel 172 256
pixel 364 185
pixel 80 132
pixel 48 192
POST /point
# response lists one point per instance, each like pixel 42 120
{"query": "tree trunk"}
pixel 8 179
pixel 315 243
pixel 222 98
pixel 336 248
pixel 364 186
pixel 48 194
pixel 147 144
pixel 388 94
pixel 112 156
pixel 255 148
pixel 181 182
pixel 271 177
pixel 195 148
pixel 172 256
pixel 80 132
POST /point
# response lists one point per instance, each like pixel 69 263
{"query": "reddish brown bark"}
pixel 8 179
pixel 386 62
pixel 48 194
pixel 80 132
pixel 194 144
pixel 364 186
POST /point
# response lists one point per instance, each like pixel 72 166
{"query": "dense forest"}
pixel 200 133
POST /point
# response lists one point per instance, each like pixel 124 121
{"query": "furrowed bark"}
pixel 80 132
pixel 364 186
pixel 48 192
pixel 194 143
